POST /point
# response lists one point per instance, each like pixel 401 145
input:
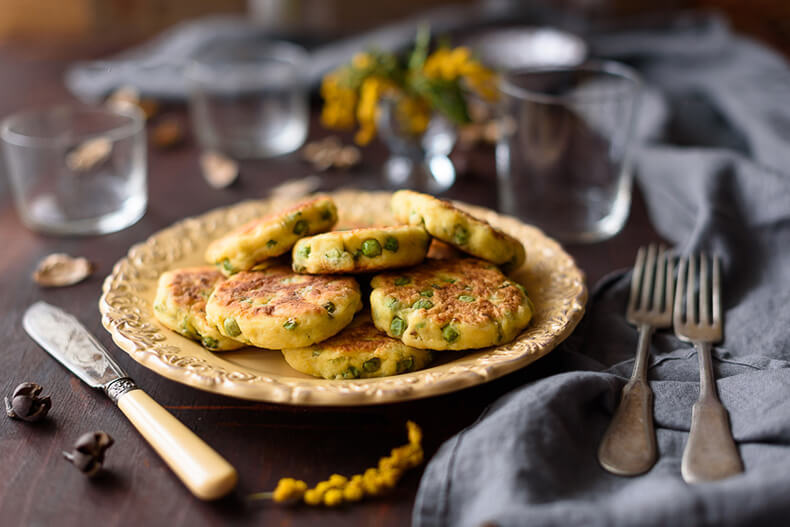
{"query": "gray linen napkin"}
pixel 720 182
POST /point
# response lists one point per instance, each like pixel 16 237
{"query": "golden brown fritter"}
pixel 277 308
pixel 450 304
pixel 180 305
pixel 445 221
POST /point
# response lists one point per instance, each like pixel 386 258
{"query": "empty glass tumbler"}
pixel 563 157
pixel 249 99
pixel 76 169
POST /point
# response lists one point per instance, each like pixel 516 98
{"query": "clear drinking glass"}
pixel 76 169
pixel 249 100
pixel 563 159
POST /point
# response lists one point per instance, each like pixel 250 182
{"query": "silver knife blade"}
pixel 63 337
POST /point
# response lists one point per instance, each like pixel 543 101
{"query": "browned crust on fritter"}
pixel 443 203
pixel 439 250
pixel 192 286
pixel 280 215
pixel 360 336
pixel 474 277
pixel 286 299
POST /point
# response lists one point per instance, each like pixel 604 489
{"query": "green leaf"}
pixel 446 97
pixel 421 43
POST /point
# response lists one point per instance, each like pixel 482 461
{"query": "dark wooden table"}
pixel 264 441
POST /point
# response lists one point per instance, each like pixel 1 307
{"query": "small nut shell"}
pixel 60 270
pixel 219 171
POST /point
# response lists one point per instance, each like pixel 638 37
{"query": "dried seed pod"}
pixel 295 188
pixel 323 160
pixel 127 96
pixel 218 170
pixel 25 403
pixel 88 453
pixel 347 157
pixel 89 154
pixel 59 270
pixel 167 133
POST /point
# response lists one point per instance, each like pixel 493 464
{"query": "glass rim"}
pixel 607 67
pixel 114 133
pixel 199 69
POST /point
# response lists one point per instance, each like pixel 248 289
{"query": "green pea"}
pixel 351 373
pixel 436 286
pixel 290 324
pixel 520 288
pixel 422 304
pixel 530 305
pixel 405 365
pixel 300 227
pixel 333 254
pixel 460 235
pixel 499 334
pixel 402 280
pixel 420 325
pixel 326 214
pixel 371 248
pixel 371 365
pixel 397 326
pixel 271 243
pixel 393 303
pixel 159 307
pixel 186 329
pixel 427 292
pixel 227 266
pixel 304 252
pixel 466 298
pixel 357 254
pixel 448 280
pixel 299 268
pixel 450 334
pixel 316 353
pixel 391 244
pixel 231 327
pixel 330 308
pixel 210 343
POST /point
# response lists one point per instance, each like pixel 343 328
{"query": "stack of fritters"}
pixel 308 310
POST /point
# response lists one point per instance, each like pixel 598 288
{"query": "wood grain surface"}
pixel 263 441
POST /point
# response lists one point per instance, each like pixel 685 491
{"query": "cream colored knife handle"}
pixel 202 470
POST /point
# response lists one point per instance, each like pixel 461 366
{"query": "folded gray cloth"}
pixel 719 182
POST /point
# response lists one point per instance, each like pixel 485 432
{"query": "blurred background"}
pixel 125 21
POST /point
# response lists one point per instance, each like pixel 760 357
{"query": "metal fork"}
pixel 629 444
pixel 710 452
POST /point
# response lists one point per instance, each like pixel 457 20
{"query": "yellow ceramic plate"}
pixel 553 281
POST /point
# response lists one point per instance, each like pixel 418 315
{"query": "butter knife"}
pixel 205 473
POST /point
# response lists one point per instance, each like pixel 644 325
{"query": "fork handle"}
pixel 710 452
pixel 628 447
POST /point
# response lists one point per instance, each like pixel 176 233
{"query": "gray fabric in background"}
pixel 719 182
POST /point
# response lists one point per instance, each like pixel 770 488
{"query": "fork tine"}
pixel 704 295
pixel 691 282
pixel 716 299
pixel 636 278
pixel 680 286
pixel 669 300
pixel 647 283
pixel 658 288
